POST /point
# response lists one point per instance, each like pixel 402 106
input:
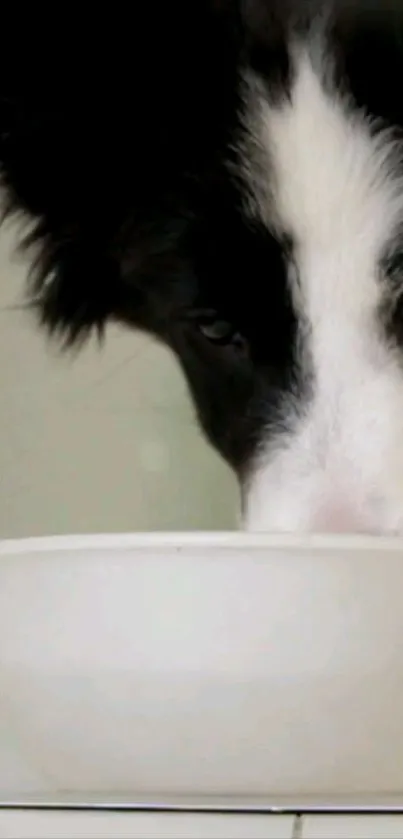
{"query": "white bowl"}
pixel 191 667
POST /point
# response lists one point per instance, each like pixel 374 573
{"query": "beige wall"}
pixel 103 442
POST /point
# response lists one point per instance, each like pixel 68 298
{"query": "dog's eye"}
pixel 217 330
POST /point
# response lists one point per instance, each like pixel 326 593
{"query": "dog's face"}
pixel 236 189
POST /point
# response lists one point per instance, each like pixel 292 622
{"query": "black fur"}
pixel 118 142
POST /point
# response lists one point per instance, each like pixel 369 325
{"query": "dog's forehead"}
pixel 364 37
pixel 327 177
pixel 324 171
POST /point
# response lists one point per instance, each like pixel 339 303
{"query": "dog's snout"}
pixel 340 516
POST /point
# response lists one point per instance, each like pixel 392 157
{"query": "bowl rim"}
pixel 201 540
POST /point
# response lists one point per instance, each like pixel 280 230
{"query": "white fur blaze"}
pixel 335 187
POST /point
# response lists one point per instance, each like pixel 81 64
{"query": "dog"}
pixel 227 175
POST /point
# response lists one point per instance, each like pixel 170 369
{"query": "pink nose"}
pixel 340 518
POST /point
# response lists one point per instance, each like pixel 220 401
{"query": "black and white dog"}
pixel 228 176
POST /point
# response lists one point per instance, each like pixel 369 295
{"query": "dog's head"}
pixel 229 177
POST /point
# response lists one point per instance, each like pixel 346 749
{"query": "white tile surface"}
pixel 352 827
pixel 31 824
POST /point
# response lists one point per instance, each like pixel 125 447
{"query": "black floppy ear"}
pixel 75 161
pixel 105 129
pixel 64 173
pixel 47 167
